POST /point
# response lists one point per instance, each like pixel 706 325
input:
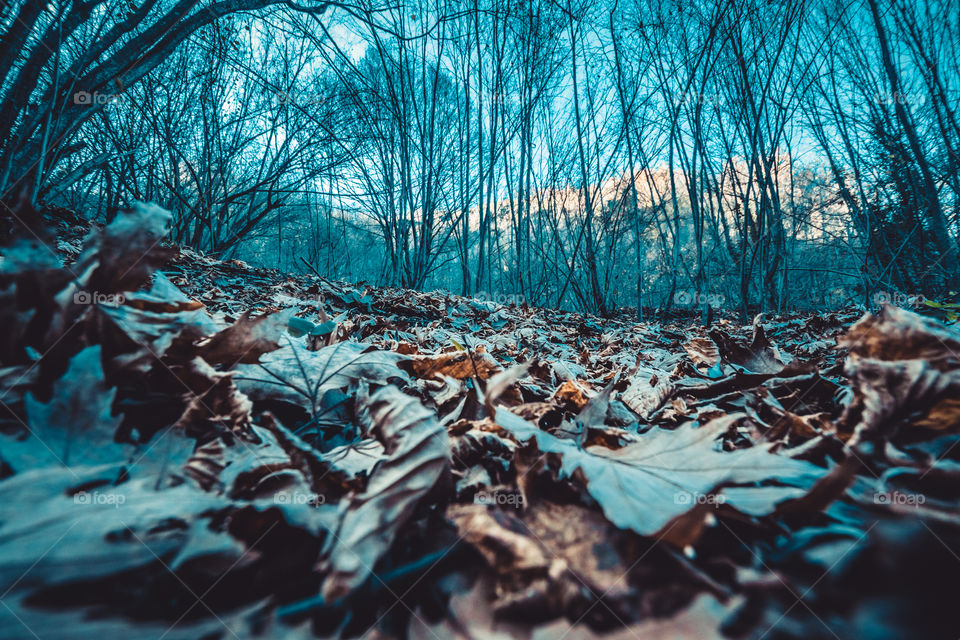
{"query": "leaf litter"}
pixel 197 448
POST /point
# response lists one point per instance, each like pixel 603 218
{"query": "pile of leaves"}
pixel 194 448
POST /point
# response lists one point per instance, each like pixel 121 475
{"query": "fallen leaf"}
pixel 417 454
pixel 75 427
pixel 646 484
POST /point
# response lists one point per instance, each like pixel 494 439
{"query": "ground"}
pixel 195 448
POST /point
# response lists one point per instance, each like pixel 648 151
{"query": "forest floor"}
pixel 194 448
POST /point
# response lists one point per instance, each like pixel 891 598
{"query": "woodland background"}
pixel 755 155
pixel 322 319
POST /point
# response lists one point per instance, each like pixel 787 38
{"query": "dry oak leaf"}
pixel 647 393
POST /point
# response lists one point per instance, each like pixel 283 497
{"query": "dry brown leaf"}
pixel 889 395
pixel 702 351
pixel 127 251
pixel 456 364
pixel 417 455
pixel 247 339
pixel 898 334
pixel 499 537
pixel 217 408
pixel 570 396
pixel 760 356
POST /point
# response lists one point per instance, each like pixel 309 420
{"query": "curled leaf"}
pixel 417 454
